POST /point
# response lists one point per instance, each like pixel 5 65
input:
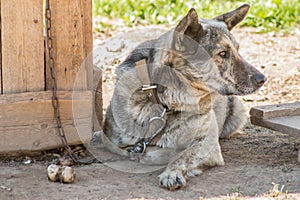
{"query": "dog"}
pixel 196 72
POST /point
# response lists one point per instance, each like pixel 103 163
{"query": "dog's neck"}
pixel 178 94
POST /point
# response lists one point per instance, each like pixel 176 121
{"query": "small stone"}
pixel 68 175
pixel 3 187
pixel 64 174
pixel 53 172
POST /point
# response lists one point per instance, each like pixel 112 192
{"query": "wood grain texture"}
pixel 22 46
pixel 279 110
pixel 0 54
pixel 284 118
pixel 27 121
pixel 72 41
pixel 289 125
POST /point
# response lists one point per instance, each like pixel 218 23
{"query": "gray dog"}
pixel 174 97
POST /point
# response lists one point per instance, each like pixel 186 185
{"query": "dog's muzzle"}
pixel 258 79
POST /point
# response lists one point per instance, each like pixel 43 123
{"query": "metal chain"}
pixel 55 100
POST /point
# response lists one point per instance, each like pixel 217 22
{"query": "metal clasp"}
pixel 148 87
pixel 140 146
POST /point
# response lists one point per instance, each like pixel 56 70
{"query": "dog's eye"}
pixel 223 54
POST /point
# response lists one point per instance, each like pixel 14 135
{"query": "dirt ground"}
pixel 259 162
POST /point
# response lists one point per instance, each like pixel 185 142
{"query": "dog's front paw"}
pixel 172 180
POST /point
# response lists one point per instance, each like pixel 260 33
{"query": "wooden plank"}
pixel 284 118
pixel 289 124
pixel 27 121
pixel 22 46
pixel 72 41
pixel 272 111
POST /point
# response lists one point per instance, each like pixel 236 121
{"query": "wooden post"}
pixel 22 44
pixel 0 54
pixel 72 41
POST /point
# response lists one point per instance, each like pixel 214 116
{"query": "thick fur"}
pixel 198 70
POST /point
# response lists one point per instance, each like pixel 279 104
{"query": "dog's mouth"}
pixel 255 83
pixel 240 90
pixel 248 90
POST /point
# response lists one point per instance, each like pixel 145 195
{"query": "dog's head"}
pixel 206 51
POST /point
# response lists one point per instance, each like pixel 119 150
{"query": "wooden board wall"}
pixel 27 122
pixel 22 43
pixel 73 42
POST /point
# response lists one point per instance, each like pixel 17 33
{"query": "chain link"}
pixel 55 100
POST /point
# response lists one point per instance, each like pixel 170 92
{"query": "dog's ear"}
pixel 190 25
pixel 234 17
pixel 188 28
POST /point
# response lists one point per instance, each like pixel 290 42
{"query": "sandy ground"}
pixel 259 162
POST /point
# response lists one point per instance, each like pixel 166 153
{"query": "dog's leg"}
pixel 157 156
pixel 231 115
pixel 205 152
pixel 189 164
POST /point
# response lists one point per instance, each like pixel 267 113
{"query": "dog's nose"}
pixel 259 79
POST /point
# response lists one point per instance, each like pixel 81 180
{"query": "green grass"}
pixel 267 15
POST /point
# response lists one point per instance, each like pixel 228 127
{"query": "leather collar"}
pixel 148 87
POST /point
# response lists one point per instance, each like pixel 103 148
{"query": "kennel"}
pixel 27 121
